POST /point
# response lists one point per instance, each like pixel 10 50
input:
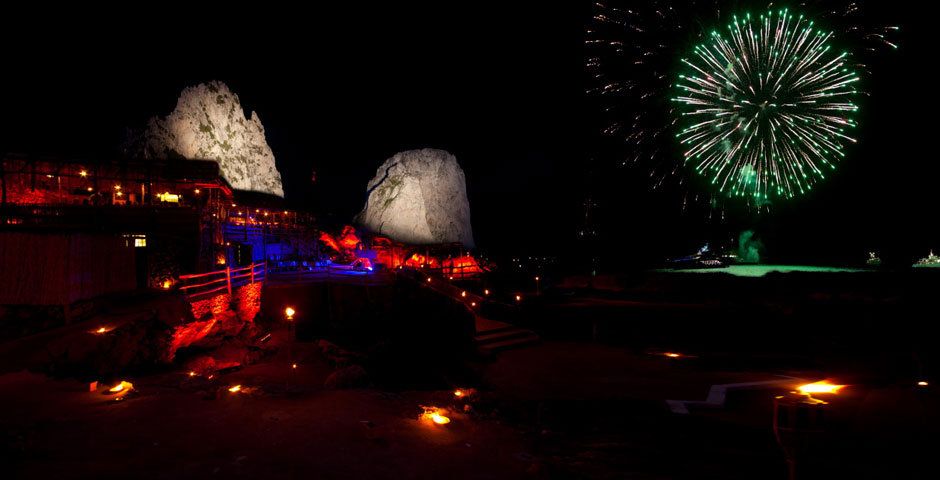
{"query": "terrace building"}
pixel 73 229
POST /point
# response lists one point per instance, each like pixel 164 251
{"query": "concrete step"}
pixel 493 330
pixel 503 334
pixel 505 340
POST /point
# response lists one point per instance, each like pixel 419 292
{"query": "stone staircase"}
pixel 493 336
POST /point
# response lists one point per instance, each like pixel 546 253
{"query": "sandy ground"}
pixel 552 410
pixel 174 427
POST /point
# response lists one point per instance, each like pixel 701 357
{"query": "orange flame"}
pixel 235 389
pixel 166 284
pixel 122 387
pixel 101 330
pixel 465 392
pixel 434 414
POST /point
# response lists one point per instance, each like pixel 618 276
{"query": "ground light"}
pixel 122 387
pixel 799 421
pixel 434 415
pixel 291 366
pixel 819 387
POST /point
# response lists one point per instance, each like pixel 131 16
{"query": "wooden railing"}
pixel 211 282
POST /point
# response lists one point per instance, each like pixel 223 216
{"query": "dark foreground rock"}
pixel 352 376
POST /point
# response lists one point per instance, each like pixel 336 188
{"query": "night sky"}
pixel 340 89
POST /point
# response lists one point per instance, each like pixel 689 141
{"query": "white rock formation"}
pixel 209 124
pixel 419 197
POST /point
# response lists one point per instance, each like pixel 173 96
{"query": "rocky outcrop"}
pixel 419 197
pixel 352 376
pixel 209 124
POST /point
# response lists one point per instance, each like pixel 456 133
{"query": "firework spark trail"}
pixel 772 102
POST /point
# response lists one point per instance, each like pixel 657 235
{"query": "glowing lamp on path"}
pixel 196 191
pixel 101 330
pixel 518 298
pixel 290 313
pixel 672 355
pixel 235 389
pixel 922 384
pixel 166 284
pixel 486 292
pixel 463 294
pixel 83 173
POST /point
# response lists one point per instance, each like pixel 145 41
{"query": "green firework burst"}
pixel 766 108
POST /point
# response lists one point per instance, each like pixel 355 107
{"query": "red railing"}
pixel 211 282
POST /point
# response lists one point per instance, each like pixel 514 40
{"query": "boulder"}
pixel 209 124
pixel 419 197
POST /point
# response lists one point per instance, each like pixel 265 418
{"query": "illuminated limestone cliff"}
pixel 209 124
pixel 419 197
